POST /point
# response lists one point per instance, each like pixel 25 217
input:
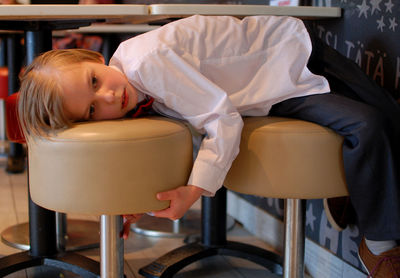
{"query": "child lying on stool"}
pixel 211 71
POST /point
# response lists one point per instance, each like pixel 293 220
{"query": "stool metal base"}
pixel 78 264
pixel 82 234
pixel 213 242
pixel 177 259
pixel 188 225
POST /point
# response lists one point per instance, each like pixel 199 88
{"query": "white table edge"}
pixel 243 10
pixel 119 10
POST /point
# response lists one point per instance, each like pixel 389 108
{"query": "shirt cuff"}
pixel 208 177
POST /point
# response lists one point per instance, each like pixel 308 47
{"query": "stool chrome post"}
pixel 111 247
pixel 294 239
pixel 61 231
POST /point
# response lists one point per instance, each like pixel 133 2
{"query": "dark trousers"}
pixel 368 118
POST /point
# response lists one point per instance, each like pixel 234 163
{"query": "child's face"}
pixel 94 91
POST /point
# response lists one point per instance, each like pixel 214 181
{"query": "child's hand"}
pixel 128 220
pixel 182 198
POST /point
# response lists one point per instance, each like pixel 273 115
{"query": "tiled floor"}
pixel 139 250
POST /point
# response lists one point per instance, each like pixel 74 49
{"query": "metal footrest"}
pixel 78 264
pixel 177 259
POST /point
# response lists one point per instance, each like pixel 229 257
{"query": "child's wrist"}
pixel 197 191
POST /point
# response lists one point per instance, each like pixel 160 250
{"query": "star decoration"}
pixel 389 5
pixel 381 24
pixel 393 23
pixel 310 218
pixel 363 9
pixel 375 6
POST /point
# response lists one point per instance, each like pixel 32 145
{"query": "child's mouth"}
pixel 124 99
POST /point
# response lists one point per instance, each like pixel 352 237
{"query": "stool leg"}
pixel 61 231
pixel 111 247
pixel 294 239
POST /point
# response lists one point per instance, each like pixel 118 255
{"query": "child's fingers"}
pixel 126 229
pixel 128 220
pixel 164 196
pixel 165 213
pixel 132 217
pixel 173 212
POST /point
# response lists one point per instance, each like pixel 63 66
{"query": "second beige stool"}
pixel 110 168
pixel 279 158
pixel 292 160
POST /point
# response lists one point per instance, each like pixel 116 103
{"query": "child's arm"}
pixel 182 90
pixel 181 198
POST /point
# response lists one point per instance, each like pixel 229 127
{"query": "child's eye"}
pixel 91 110
pixel 94 81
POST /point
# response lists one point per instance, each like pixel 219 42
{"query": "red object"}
pixel 143 108
pixel 13 127
pixel 3 82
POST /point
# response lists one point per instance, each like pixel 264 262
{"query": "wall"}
pixel 368 33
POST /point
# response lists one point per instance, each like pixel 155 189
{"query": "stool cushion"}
pixel 288 158
pixel 110 167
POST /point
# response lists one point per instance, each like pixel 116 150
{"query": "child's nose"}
pixel 108 96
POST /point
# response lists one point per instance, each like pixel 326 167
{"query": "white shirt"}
pixel 210 70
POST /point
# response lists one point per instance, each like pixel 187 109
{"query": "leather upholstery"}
pixel 110 167
pixel 288 158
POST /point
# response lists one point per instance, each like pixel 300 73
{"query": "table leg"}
pixel 16 155
pixel 42 222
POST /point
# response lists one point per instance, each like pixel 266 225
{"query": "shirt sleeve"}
pixel 175 81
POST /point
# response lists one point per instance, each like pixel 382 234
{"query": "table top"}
pixel 115 28
pixel 128 12
pixel 244 10
pixel 63 17
pixel 61 12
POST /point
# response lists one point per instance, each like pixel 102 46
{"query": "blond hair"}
pixel 40 105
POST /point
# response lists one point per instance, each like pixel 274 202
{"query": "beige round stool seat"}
pixel 110 168
pixel 292 160
pixel 288 158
